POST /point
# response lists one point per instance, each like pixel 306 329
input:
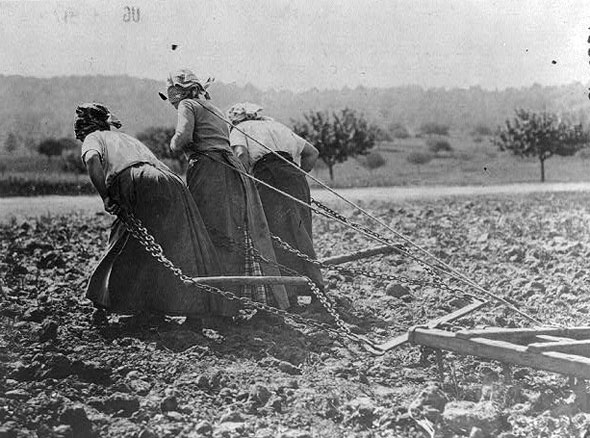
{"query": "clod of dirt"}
pixel 9 430
pixel 476 432
pixel 63 431
pixel 361 411
pixel 228 429
pixel 430 403
pixel 75 416
pixel 259 394
pixel 35 314
pixel 275 403
pixel 17 394
pixel 57 366
pixel 203 382
pixel 285 367
pixel 147 433
pixel 48 330
pixel 204 428
pixel 90 371
pixel 232 417
pixel 51 260
pixel 295 434
pixel 396 290
pixel 117 402
pixel 464 415
pixel 169 403
pixel 24 372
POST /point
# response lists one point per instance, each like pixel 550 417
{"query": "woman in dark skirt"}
pixel 286 218
pixel 129 177
pixel 228 201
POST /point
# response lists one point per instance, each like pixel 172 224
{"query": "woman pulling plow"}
pixel 228 201
pixel 286 218
pixel 130 179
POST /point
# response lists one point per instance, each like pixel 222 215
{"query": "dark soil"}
pixel 61 375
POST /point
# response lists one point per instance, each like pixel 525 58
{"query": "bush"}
pixel 374 160
pixel 438 145
pixel 433 128
pixel 35 184
pixel 397 130
pixel 482 131
pixel 584 153
pixel 419 158
pixel 50 147
pixel 72 161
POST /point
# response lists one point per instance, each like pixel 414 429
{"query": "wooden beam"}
pixel 502 351
pixel 362 254
pixel 250 280
pixel 522 334
pixel 549 338
pixel 570 347
pixel 402 339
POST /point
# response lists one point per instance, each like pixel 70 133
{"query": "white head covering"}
pixel 244 111
pixel 184 84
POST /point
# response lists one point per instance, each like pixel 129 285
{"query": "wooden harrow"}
pixel 560 350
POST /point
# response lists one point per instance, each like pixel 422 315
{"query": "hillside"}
pixel 34 108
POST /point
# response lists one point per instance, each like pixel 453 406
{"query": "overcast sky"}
pixel 300 44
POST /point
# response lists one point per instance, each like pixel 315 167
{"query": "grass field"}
pixel 470 162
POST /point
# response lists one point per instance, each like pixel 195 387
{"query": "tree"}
pixel 438 145
pixel 50 147
pixel 419 158
pixel 433 128
pixel 398 130
pixel 158 138
pixel 540 135
pixel 337 136
pixel 11 143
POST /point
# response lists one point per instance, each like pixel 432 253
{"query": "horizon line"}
pixel 313 89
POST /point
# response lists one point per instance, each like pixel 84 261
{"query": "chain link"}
pixel 437 280
pixel 348 270
pixel 146 240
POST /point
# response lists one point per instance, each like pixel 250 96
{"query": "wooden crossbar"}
pixel 504 351
pixel 358 255
pixel 402 339
pixel 518 334
pixel 564 346
pixel 251 280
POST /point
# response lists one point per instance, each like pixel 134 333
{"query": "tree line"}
pixel 340 135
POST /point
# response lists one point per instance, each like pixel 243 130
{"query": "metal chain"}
pixel 348 270
pixel 437 280
pixel 146 240
pixel 324 299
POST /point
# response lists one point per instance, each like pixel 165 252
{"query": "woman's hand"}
pixel 111 206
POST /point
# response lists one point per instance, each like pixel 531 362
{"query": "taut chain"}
pixel 153 248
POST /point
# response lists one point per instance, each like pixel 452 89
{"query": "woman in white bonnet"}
pixel 286 218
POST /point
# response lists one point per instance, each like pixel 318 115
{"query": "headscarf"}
pixel 92 117
pixel 184 84
pixel 244 111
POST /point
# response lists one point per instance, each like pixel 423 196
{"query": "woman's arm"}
pixel 96 174
pixel 309 156
pixel 184 128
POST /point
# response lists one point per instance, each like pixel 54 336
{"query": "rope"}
pixel 449 269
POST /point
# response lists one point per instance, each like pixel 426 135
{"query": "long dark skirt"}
pixel 231 207
pixel 286 218
pixel 127 278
